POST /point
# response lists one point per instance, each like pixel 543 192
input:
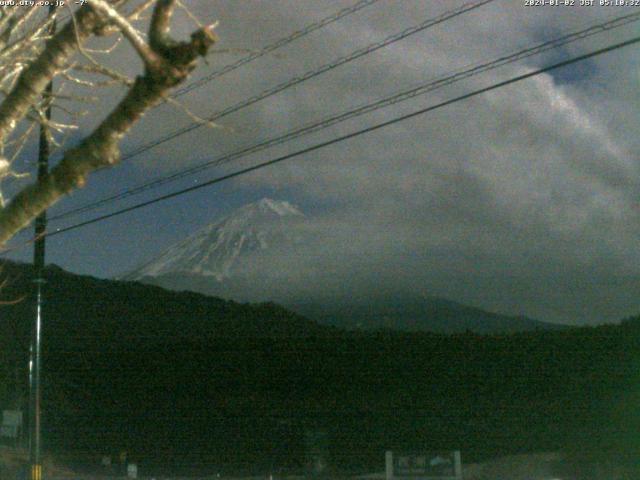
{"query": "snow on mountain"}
pixel 269 251
pixel 221 249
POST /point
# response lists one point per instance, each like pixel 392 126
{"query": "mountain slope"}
pixel 254 254
pixel 186 379
pixel 219 249
pixel 81 308
pixel 418 314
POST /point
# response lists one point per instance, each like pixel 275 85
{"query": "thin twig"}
pixel 131 34
pixel 189 113
pixel 99 69
pixel 135 14
pixel 193 18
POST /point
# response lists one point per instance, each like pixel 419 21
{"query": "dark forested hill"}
pixel 179 379
pixel 417 314
pixel 82 307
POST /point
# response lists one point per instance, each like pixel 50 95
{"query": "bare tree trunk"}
pixel 167 64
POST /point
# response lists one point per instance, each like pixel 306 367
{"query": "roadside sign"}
pixel 424 466
pixel 132 470
pixel 11 423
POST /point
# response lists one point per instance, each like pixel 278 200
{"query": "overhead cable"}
pixel 275 45
pixel 361 110
pixel 431 22
pixel 342 138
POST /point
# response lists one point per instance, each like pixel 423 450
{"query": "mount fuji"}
pixel 220 250
pixel 260 252
pixel 240 256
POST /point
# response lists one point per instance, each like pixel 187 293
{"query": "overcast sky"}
pixel 523 200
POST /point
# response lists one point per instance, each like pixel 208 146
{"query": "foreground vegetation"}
pixel 179 379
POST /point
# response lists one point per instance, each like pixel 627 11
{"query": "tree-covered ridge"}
pixel 236 386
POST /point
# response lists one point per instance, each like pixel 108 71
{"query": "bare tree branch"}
pixel 160 24
pixel 34 79
pixel 139 10
pixel 196 118
pixel 104 71
pixel 130 33
pixel 171 64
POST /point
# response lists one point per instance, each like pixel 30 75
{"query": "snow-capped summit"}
pixel 219 249
pixel 269 251
pixel 280 207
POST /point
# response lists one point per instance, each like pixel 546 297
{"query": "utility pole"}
pixel 35 361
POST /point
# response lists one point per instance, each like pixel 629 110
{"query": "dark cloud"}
pixel 523 200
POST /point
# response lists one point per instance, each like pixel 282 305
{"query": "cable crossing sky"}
pixel 275 45
pixel 342 138
pixel 431 22
pixel 430 86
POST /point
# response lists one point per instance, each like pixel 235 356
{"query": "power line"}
pixel 342 138
pixel 313 73
pixel 310 74
pixel 281 42
pixel 306 30
pixel 361 110
pixel 275 45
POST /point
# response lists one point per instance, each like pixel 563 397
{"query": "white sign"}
pixel 132 470
pixel 11 423
pixel 424 466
